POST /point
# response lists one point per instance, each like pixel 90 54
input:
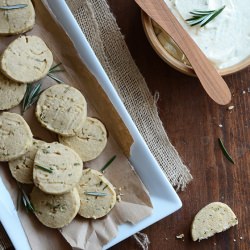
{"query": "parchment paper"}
pixel 135 204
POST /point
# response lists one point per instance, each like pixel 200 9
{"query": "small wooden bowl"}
pixel 170 56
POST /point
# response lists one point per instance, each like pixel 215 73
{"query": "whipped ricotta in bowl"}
pixel 226 39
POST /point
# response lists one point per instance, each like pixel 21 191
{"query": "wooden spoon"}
pixel 210 79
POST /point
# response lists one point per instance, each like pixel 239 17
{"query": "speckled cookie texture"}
pixel 89 141
pixel 55 211
pixel 97 194
pixel 22 167
pixel 57 168
pixel 11 92
pixel 27 59
pixel 213 218
pixel 62 109
pixel 16 21
pixel 16 136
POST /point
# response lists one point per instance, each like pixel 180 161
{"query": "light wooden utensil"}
pixel 210 79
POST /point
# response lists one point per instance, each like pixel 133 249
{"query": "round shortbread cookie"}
pixel 89 141
pixel 22 167
pixel 27 59
pixel 11 92
pixel 57 168
pixel 97 194
pixel 55 211
pixel 16 21
pixel 62 109
pixel 213 218
pixel 16 136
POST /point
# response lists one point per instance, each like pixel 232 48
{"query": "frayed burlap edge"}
pixel 104 36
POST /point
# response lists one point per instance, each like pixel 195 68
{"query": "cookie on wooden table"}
pixel 16 136
pixel 27 59
pixel 89 141
pixel 11 92
pixel 16 20
pixel 22 167
pixel 57 168
pixel 213 218
pixel 62 109
pixel 55 211
pixel 97 194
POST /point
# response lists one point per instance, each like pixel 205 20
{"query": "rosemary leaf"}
pixel 95 193
pixel 13 7
pixel 203 17
pixel 31 95
pixel 226 154
pixel 52 69
pixel 107 164
pixel 55 78
pixel 45 169
pixel 25 199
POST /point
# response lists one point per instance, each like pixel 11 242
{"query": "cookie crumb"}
pixel 230 107
pixel 234 240
pixel 243 92
pixel 241 238
pixel 220 125
pixel 181 236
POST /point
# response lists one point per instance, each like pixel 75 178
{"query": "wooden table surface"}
pixel 192 123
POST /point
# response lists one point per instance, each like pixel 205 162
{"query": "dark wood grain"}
pixel 192 123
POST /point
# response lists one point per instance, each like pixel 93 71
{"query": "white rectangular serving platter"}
pixel 163 197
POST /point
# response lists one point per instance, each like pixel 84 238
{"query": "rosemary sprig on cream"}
pixel 33 91
pixel 107 164
pixel 226 154
pixel 203 17
pixel 13 7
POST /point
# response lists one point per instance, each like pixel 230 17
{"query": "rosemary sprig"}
pixel 203 17
pixel 54 69
pixel 95 193
pixel 49 170
pixel 33 91
pixel 226 154
pixel 55 78
pixel 25 199
pixel 107 164
pixel 13 7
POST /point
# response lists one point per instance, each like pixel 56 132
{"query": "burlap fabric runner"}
pixel 104 36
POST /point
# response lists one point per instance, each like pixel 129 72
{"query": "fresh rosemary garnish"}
pixel 55 69
pixel 55 78
pixel 31 95
pixel 95 193
pixel 25 199
pixel 49 170
pixel 13 7
pixel 107 164
pixel 203 17
pixel 33 91
pixel 226 154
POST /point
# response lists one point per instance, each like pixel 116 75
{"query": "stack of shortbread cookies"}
pixel 62 188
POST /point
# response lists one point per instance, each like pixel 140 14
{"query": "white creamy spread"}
pixel 226 39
